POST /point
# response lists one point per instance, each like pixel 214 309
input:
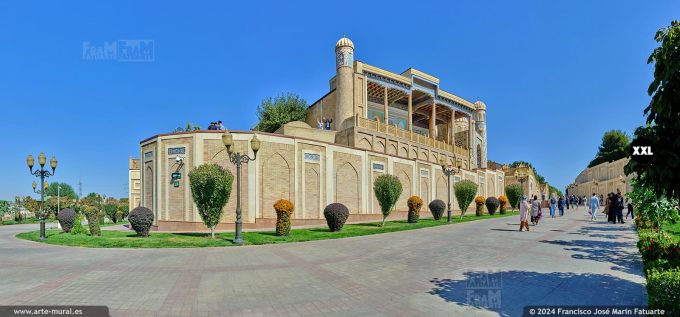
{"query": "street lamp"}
pixel 521 176
pixel 448 171
pixel 237 159
pixel 42 173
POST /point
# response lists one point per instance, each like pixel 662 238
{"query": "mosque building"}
pixel 381 122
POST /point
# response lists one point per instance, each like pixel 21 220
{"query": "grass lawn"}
pixel 673 229
pixel 128 239
pixel 26 221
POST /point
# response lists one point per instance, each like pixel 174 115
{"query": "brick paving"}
pixel 425 272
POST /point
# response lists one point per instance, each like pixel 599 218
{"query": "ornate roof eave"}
pixel 455 105
pixel 388 82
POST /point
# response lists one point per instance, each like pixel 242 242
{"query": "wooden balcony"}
pixel 410 136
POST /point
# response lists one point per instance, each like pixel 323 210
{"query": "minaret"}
pixel 481 130
pixel 344 64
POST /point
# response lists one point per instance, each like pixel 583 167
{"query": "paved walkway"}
pixel 436 271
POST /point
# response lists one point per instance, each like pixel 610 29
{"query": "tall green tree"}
pixel 387 189
pixel 514 192
pixel 465 192
pixel 659 171
pixel 210 188
pixel 275 112
pixel 66 190
pixel 614 146
pixel 4 208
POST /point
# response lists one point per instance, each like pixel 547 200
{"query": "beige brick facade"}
pixel 309 173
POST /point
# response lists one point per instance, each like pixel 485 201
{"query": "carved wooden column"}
pixel 386 107
pixel 433 120
pixel 410 112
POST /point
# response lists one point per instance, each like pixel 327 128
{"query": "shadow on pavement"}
pixel 507 292
pixel 616 253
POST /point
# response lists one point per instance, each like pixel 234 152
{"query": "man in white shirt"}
pixel 594 204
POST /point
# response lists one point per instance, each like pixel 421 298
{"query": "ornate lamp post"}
pixel 448 171
pixel 42 173
pixel 237 159
pixel 521 176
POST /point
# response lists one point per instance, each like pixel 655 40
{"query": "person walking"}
pixel 618 206
pixel 630 210
pixel 535 211
pixel 610 208
pixel 594 204
pixel 524 214
pixel 560 205
pixel 553 202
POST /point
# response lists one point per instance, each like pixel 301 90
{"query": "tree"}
pixel 31 204
pixel 387 189
pixel 614 146
pixel 66 190
pixel 110 209
pixel 539 177
pixel 659 171
pixel 552 189
pixel 465 191
pixel 275 112
pixel 514 193
pixel 188 128
pixel 91 206
pixel 4 208
pixel 650 207
pixel 210 188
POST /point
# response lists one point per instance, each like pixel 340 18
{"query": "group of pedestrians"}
pixel 530 208
pixel 216 126
pixel 526 209
pixel 613 207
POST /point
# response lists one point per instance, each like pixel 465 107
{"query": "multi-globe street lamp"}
pixel 448 171
pixel 237 159
pixel 521 176
pixel 42 173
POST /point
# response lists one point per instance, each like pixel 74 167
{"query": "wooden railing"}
pixel 409 136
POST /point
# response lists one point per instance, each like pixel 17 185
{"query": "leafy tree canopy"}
pixel 188 128
pixel 66 190
pixel 539 177
pixel 277 111
pixel 614 146
pixel 659 172
pixel 553 189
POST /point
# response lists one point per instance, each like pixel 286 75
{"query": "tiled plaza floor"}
pixel 440 271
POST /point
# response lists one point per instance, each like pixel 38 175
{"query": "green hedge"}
pixel 663 289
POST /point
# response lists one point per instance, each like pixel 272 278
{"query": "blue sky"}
pixel 554 74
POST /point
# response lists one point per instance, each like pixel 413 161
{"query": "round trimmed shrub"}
pixel 503 201
pixel 66 217
pixel 437 208
pixel 479 205
pixel 284 209
pixel 141 219
pixel 414 204
pixel 492 205
pixel 336 214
